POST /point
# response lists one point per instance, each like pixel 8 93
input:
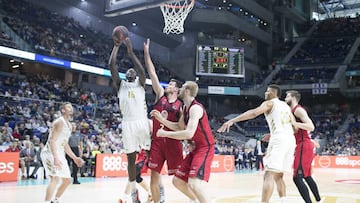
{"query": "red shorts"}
pixel 197 164
pixel 304 155
pixel 168 150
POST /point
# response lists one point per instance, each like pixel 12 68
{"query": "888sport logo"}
pixel 114 163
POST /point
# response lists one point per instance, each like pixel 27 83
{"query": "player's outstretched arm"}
pixel 266 106
pixel 137 65
pixel 158 89
pixel 112 66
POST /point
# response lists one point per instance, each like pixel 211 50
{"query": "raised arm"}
pixel 158 89
pixel 137 64
pixel 112 65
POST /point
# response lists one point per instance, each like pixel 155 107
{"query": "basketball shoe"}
pixel 135 197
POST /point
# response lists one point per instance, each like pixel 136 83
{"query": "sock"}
pixel 47 202
pixel 283 199
pixel 132 186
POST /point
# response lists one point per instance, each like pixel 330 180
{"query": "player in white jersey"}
pixel 280 152
pixel 53 154
pixel 135 124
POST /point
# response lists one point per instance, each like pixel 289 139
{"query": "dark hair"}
pixel 277 88
pixel 178 83
pixel 295 94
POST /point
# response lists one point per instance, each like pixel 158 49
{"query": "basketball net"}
pixel 175 14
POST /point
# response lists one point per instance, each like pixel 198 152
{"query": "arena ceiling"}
pixel 150 22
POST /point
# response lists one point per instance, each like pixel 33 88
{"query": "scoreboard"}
pixel 220 61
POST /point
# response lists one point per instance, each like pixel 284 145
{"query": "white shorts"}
pixel 136 135
pixel 280 153
pixel 48 162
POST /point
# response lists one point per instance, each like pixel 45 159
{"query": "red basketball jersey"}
pixel 203 135
pixel 304 151
pixel 170 111
pixel 301 135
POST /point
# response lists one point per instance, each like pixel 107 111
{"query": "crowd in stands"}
pixel 293 75
pixel 329 43
pixel 348 143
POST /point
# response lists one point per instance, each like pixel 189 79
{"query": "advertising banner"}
pixel 337 162
pixel 9 166
pixel 115 165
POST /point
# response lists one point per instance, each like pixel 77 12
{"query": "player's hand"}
pixel 190 146
pixel 117 42
pixel 156 114
pixel 147 46
pixel 79 161
pixel 128 44
pixel 316 143
pixel 57 164
pixel 161 132
pixel 225 127
pixel 266 137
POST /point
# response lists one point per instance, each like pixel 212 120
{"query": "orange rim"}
pixel 178 7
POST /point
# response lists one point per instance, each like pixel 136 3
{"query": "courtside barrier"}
pixel 337 162
pixel 9 166
pixel 115 165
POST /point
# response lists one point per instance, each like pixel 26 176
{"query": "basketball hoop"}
pixel 175 14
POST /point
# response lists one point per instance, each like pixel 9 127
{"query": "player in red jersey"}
pixel 304 151
pixel 194 127
pixel 163 149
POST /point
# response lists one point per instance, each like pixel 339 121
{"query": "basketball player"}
pixel 279 155
pixel 304 151
pixel 163 149
pixel 53 154
pixel 135 124
pixel 193 126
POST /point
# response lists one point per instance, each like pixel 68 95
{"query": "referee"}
pixel 75 144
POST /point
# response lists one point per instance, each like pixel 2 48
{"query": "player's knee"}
pixel 66 181
pixel 193 185
pixel 177 182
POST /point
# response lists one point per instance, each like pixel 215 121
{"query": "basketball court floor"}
pixel 335 185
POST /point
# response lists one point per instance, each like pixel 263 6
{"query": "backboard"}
pixel 120 7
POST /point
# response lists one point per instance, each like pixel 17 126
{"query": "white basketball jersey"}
pixel 279 119
pixel 132 100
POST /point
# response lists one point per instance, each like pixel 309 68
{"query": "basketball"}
pixel 120 33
